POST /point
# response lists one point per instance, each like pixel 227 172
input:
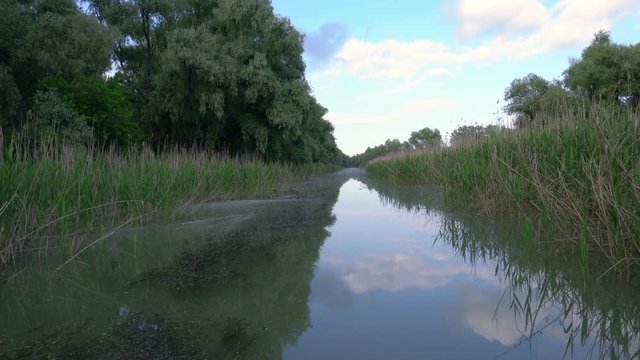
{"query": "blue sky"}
pixel 386 68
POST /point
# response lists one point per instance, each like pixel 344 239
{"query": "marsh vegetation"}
pixel 52 198
pixel 571 158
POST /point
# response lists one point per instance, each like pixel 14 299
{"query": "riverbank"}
pixel 581 174
pixel 65 193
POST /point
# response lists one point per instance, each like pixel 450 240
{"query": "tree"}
pixel 469 133
pixel 606 71
pixel 466 133
pixel 105 103
pixel 52 120
pixel 425 138
pixel 10 97
pixel 219 74
pixel 392 145
pixel 229 74
pixel 523 97
pixel 44 38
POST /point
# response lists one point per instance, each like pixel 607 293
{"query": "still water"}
pixel 343 268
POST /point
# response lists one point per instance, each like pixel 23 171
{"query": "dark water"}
pixel 344 268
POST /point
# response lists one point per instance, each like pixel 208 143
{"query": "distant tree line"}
pixel 217 74
pixel 425 139
pixel 605 73
pixel 421 139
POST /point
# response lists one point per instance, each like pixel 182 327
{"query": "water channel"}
pixel 344 267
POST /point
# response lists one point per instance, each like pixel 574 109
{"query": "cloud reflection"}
pixel 479 312
pixel 416 267
pixel 331 290
pixel 488 313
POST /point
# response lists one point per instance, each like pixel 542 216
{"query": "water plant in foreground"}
pixel 52 191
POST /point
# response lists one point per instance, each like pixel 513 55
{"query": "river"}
pixel 343 267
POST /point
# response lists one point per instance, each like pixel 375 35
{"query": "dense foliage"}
pixel 468 133
pixel 217 74
pixel 605 72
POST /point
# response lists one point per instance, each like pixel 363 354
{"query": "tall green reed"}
pixel 51 189
pixel 582 171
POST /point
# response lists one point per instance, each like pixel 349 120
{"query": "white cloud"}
pixel 494 323
pixel 392 59
pixel 395 272
pixel 520 28
pixel 400 89
pixel 488 313
pixel 437 72
pixel 509 18
pixel 477 17
pixel 415 267
pixel 406 111
pixel 567 23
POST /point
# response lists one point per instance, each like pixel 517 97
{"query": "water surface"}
pixel 343 268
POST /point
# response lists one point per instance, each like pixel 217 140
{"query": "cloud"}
pixel 392 59
pixel 520 29
pixel 510 18
pixel 395 272
pixel 438 72
pixel 321 45
pixel 514 16
pixel 415 267
pixel 479 311
pixel 406 111
pixel 571 23
pixel 331 290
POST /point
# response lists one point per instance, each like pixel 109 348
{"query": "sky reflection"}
pixel 385 288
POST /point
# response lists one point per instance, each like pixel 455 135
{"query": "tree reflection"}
pixel 241 292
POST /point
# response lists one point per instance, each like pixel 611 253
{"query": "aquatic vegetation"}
pixel 581 172
pixel 541 288
pixel 544 290
pixel 51 193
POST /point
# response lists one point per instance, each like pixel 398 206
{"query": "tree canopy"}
pixel 606 72
pixel 425 138
pixel 468 133
pixel 219 74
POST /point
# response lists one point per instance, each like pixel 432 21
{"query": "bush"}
pixel 51 119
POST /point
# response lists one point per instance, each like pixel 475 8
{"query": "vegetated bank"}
pixel 572 160
pixel 100 104
pixel 66 192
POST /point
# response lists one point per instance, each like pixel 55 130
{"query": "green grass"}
pixel 72 191
pixel 581 173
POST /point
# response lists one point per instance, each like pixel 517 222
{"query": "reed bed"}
pixel 580 172
pixel 52 191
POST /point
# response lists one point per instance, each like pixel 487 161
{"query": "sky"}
pixel 386 68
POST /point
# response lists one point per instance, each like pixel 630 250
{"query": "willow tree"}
pixel 223 74
pixel 45 38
